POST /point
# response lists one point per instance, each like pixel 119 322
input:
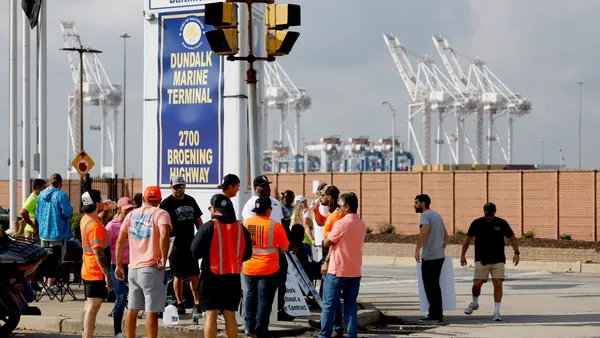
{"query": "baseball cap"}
pixel 299 199
pixel 489 209
pixel 330 190
pixel 125 203
pixel 287 193
pixel 228 181
pixel 177 180
pixel 222 204
pixel 262 204
pixel 89 200
pixel 261 180
pixel 152 193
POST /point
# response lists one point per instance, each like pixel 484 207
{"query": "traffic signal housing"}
pixel 223 17
pixel 278 18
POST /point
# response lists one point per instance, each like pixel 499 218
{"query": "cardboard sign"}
pixel 446 283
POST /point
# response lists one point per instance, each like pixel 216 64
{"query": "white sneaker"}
pixel 473 306
pixel 497 317
pixel 119 335
pixel 220 319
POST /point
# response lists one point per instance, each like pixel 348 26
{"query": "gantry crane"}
pixel 281 93
pixel 98 90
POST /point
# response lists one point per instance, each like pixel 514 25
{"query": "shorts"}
pixel 95 289
pixel 183 264
pixel 220 292
pixel 482 272
pixel 147 289
pixel 49 243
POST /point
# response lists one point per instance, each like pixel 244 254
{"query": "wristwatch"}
pixel 517 253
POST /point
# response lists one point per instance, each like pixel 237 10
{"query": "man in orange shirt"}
pixel 95 270
pixel 269 240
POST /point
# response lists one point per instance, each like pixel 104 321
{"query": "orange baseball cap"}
pixel 152 193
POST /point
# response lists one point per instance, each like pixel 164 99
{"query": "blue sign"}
pixel 190 107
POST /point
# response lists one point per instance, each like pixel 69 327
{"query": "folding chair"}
pixel 53 268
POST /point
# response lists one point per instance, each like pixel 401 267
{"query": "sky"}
pixel 342 61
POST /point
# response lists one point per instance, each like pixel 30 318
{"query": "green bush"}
pixel 369 230
pixel 387 228
pixel 566 237
pixel 459 233
pixel 75 220
pixel 528 234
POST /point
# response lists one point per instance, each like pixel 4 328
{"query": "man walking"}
pixel 185 217
pixel 29 208
pixel 489 232
pixel 223 244
pixel 344 269
pixel 432 239
pixel 230 185
pixel 147 230
pixel 269 241
pixel 95 270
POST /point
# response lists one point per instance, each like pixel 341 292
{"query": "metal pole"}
pixel 393 140
pixel 561 157
pixel 42 93
pixel 25 107
pixel 543 151
pixel 255 158
pixel 81 99
pixel 12 74
pixel 124 36
pixel 581 83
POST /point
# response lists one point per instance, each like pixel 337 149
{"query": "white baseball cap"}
pixel 299 199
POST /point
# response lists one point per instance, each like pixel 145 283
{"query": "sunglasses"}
pixel 178 186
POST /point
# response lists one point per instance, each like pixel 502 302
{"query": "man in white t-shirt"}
pixel 262 187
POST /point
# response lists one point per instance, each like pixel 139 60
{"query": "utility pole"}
pixel 12 97
pixel 580 83
pixel 42 113
pixel 562 158
pixel 124 36
pixel 543 151
pixel 25 108
pixel 393 134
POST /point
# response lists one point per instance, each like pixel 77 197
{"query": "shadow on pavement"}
pixel 581 319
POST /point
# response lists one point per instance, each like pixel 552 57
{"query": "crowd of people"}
pixel 130 254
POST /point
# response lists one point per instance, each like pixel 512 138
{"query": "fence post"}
pixel 360 193
pixel 390 196
pixel 453 201
pixel 421 181
pixel 595 206
pixel 487 186
pixel 522 206
pixel 557 204
pixel 304 184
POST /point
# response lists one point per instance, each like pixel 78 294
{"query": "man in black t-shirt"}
pixel 185 217
pixel 489 232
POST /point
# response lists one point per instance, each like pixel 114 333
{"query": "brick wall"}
pixel 547 203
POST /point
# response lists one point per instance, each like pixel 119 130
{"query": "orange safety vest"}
pixel 265 254
pixel 227 248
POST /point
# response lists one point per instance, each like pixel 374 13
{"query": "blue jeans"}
pixel 308 248
pixel 333 289
pixel 259 301
pixel 121 297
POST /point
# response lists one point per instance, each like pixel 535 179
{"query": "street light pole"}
pixel 393 134
pixel 580 83
pixel 124 36
pixel 562 158
pixel 543 151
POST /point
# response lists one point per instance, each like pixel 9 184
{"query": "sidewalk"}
pixel 65 317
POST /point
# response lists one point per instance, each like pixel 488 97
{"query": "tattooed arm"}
pixel 103 264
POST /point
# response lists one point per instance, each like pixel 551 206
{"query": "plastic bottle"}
pixel 195 315
pixel 170 317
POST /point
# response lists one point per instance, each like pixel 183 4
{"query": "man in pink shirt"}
pixel 345 263
pixel 147 229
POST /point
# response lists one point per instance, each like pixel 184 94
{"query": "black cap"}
pixel 489 209
pixel 261 180
pixel 228 181
pixel 261 205
pixel 222 204
pixel 287 193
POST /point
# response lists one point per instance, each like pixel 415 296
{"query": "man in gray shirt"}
pixel 432 238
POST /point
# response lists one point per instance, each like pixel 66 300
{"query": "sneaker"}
pixel 429 319
pixel 119 335
pixel 220 319
pixel 249 333
pixel 472 307
pixel 181 309
pixel 315 324
pixel 497 317
pixel 55 289
pixel 284 317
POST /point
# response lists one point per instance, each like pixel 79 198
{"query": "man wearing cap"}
pixel 230 185
pixel 262 187
pixel 489 232
pixel 223 244
pixel 95 269
pixel 185 217
pixel 147 230
pixel 269 241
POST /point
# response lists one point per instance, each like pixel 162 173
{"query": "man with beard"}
pixel 489 232
pixel 432 238
pixel 185 216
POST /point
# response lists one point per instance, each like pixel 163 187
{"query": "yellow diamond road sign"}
pixel 83 163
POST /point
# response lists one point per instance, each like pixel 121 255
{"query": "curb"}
pixel 367 316
pixel 560 267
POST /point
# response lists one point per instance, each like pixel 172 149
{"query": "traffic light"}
pixel 278 18
pixel 223 17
